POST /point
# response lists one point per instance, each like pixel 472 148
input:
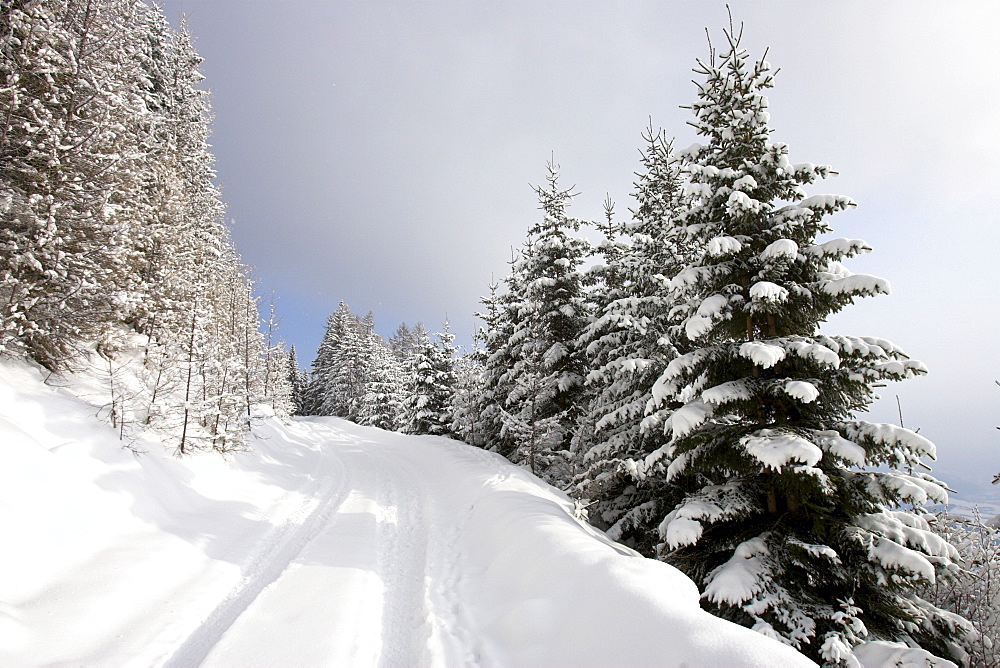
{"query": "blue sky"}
pixel 382 154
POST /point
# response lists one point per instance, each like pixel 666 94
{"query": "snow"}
pixel 713 306
pixel 739 202
pixel 762 354
pixel 681 531
pixel 734 390
pixel 710 310
pixel 781 248
pixel 802 390
pixel 742 577
pixel 774 448
pixel 696 326
pixel 815 351
pixel 838 446
pixel 327 544
pixel 889 434
pixel 768 292
pixel 839 248
pixel 687 418
pixel 723 246
pixel 878 654
pixel 856 284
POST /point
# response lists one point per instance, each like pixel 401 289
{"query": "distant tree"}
pixel 428 401
pixel 468 388
pixel 795 516
pixel 501 317
pixel 315 397
pixel 380 403
pixel 297 381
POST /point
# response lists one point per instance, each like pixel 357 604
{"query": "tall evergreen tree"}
pixel 629 346
pixel 380 404
pixel 315 397
pixel 551 311
pixel 297 381
pixel 500 349
pixel 428 400
pixel 795 516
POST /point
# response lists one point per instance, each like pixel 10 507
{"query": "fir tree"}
pixel 548 370
pixel 628 346
pixel 380 404
pixel 794 519
pixel 427 406
pixel 500 350
pixel 468 389
pixel 315 401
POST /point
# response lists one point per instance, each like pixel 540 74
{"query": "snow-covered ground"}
pixel 328 544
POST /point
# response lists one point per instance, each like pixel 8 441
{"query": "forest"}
pixel 672 377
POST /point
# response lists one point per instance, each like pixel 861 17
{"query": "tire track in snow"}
pixel 266 563
pixel 402 562
pixel 423 621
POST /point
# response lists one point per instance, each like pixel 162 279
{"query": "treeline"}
pixel 413 382
pixel 682 390
pixel 112 223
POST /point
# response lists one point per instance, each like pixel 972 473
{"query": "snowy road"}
pixel 328 544
pixel 352 563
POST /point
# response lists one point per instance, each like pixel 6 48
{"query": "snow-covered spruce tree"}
pixel 794 519
pixel 465 400
pixel 547 374
pixel 500 349
pixel 628 348
pixel 297 381
pixel 427 401
pixel 315 399
pixel 346 377
pixel 380 404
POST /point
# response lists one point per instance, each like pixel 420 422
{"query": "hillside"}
pixel 327 544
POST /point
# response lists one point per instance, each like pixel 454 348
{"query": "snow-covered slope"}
pixel 328 544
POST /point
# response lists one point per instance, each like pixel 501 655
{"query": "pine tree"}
pixel 297 381
pixel 380 404
pixel 794 519
pixel 551 311
pixel 428 400
pixel 315 401
pixel 466 423
pixel 500 349
pixel 628 346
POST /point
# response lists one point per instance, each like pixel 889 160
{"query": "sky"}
pixel 383 154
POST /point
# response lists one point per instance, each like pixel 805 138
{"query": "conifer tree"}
pixel 427 405
pixel 795 517
pixel 297 381
pixel 66 183
pixel 500 349
pixel 548 368
pixel 468 389
pixel 315 401
pixel 628 346
pixel 380 404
